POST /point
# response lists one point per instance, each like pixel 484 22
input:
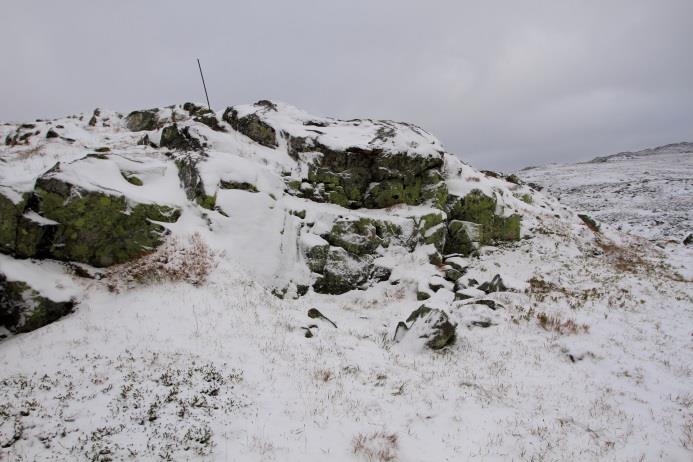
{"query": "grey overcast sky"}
pixel 503 84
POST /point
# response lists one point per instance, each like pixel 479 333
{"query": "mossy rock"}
pixel 391 192
pixel 251 126
pixel 478 208
pixel 242 185
pixel 342 272
pixel 180 139
pixel 10 214
pixel 191 182
pixel 364 235
pixel 142 120
pixel 316 257
pixel 132 179
pixel 431 229
pixel 461 236
pixel 23 309
pixel 97 228
pixel 34 239
pixel 359 177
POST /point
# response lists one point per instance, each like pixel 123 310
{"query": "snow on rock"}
pixel 540 337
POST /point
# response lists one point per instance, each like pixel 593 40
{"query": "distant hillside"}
pixel 674 148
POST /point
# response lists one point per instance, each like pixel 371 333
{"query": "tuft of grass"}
pixel 567 327
pixel 323 375
pixel 378 446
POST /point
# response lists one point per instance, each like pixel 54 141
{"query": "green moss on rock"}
pixel 251 126
pixel 9 218
pixel 363 236
pixel 97 228
pixel 132 179
pixel 461 236
pixel 242 185
pixel 478 208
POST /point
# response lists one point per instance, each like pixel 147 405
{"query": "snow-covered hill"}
pixel 263 284
pixel 648 193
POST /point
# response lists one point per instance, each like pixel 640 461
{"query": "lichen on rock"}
pixel 95 227
pixel 476 207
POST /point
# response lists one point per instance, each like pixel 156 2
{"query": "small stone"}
pixel 495 285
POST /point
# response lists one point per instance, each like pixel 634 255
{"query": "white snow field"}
pixel 587 356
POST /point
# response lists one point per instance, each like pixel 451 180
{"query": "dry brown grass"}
pixel 31 152
pixel 378 446
pixel 323 375
pixel 177 260
pixel 555 324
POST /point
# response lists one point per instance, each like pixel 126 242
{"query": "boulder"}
pixel 494 285
pixel 94 227
pixel 138 121
pixel 23 309
pixel 429 324
pixel 467 293
pixel 342 272
pixel 478 208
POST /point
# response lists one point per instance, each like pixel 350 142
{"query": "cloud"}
pixel 504 84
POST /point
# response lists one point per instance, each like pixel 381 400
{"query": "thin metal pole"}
pixel 203 83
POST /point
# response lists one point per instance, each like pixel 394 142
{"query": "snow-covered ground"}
pixel 649 195
pixel 589 356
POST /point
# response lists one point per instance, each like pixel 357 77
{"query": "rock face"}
pixel 23 309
